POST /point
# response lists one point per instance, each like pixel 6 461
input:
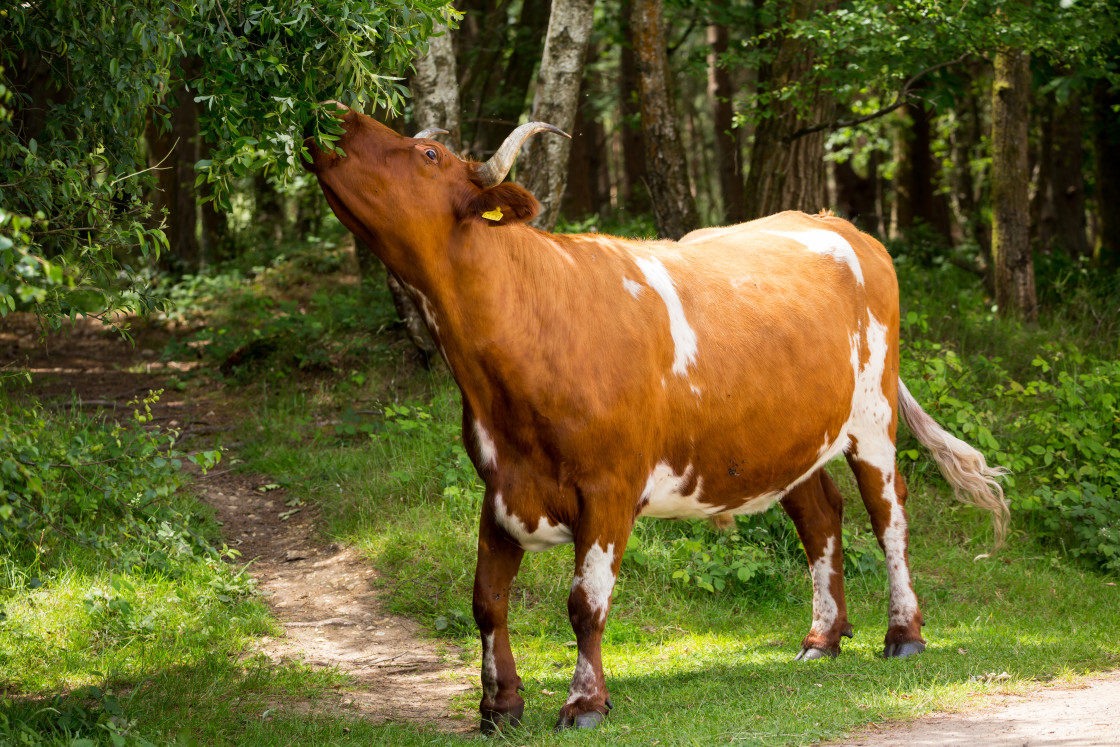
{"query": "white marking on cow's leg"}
pixel 828 243
pixel 904 603
pixel 873 460
pixel 596 578
pixel 489 668
pixel 825 608
pixel 486 448
pixel 684 337
pixel 634 289
pixel 584 683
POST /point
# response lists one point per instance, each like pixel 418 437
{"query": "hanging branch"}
pixel 899 100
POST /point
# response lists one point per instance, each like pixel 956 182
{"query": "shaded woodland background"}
pixel 988 131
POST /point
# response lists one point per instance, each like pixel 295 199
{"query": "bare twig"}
pixel 899 100
pixel 150 168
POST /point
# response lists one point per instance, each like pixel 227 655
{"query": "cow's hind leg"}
pixel 884 494
pixel 817 509
pixel 498 561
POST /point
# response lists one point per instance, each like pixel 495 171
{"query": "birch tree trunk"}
pixel 435 91
pixel 435 88
pixel 545 166
pixel 674 209
pixel 1011 251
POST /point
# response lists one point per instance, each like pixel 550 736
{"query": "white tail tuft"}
pixel 965 468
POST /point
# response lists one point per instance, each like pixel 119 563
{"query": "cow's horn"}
pixel 429 132
pixel 494 171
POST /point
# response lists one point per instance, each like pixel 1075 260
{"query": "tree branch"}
pixel 899 100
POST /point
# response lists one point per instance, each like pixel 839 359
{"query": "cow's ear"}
pixel 501 205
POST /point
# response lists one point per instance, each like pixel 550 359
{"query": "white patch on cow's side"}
pixel 634 289
pixel 487 451
pixel 489 668
pixel 545 536
pixel 596 579
pixel 824 447
pixel 583 681
pixel 825 609
pixel 560 250
pixel 662 497
pixel 828 243
pixel 742 280
pixel 684 337
pixel 695 390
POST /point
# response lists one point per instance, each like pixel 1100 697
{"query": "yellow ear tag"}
pixel 495 214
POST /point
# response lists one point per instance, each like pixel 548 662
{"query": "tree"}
pixel 435 88
pixel 729 162
pixel 83 76
pixel 1011 251
pixel 787 167
pixel 545 166
pixel 674 209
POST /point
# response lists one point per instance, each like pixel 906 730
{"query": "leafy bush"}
pixel 1058 433
pixel 106 486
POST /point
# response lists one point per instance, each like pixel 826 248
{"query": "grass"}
pixel 373 440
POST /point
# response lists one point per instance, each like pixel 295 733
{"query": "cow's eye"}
pixel 430 153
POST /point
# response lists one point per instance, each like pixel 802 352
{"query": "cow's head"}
pixel 389 188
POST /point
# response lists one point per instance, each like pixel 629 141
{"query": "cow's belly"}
pixel 702 491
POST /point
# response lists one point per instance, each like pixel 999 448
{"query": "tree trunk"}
pixel 545 166
pixel 918 201
pixel 269 210
pixel 632 184
pixel 729 163
pixel 435 88
pixel 1011 251
pixel 1106 145
pixel 857 198
pixel 581 194
pixel 176 152
pixel 506 102
pixel 674 209
pixel 968 196
pixel 789 174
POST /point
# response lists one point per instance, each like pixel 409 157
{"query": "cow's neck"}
pixel 469 289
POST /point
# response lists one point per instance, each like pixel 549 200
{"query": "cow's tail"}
pixel 965 468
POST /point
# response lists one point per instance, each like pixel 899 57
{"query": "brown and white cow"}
pixel 605 379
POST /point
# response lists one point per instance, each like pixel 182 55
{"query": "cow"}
pixel 604 379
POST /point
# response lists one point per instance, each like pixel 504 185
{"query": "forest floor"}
pixel 324 595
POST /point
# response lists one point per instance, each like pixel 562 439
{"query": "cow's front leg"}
pixel 817 509
pixel 498 561
pixel 599 544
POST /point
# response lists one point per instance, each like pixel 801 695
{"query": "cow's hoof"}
pixel 589 720
pixel 809 653
pixel 902 650
pixel 492 720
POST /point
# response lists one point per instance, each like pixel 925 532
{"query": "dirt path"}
pixel 322 594
pixel 332 617
pixel 1084 714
